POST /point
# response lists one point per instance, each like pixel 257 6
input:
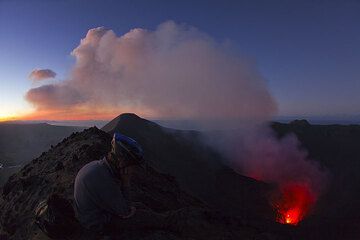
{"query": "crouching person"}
pixel 101 192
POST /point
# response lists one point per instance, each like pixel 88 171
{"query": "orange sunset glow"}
pixel 78 113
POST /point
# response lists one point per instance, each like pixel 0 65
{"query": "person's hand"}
pixel 132 212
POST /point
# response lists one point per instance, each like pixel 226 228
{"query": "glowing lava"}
pixel 293 203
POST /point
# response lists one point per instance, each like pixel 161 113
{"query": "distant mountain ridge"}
pixel 20 143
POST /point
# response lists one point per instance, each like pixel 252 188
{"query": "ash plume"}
pixel 175 71
pixel 258 153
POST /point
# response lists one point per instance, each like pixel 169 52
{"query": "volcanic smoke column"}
pixel 173 72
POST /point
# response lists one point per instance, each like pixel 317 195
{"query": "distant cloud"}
pixel 54 96
pixel 41 74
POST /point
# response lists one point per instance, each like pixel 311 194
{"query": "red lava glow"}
pixel 293 203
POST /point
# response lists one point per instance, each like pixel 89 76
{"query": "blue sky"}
pixel 308 51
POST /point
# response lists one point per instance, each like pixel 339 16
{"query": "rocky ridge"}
pixel 55 171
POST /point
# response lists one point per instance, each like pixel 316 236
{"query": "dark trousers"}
pixel 190 222
pixel 141 220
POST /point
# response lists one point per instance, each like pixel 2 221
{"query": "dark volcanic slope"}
pixel 197 167
pixel 20 143
pixel 55 171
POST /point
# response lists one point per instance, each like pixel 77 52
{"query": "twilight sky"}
pixel 306 51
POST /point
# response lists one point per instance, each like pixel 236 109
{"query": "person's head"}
pixel 125 153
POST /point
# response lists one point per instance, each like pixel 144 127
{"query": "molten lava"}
pixel 293 203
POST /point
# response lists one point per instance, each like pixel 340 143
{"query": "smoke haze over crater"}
pixel 175 71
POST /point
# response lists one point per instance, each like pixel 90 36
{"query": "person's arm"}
pixel 109 196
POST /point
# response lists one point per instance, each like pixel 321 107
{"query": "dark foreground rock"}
pixel 55 171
